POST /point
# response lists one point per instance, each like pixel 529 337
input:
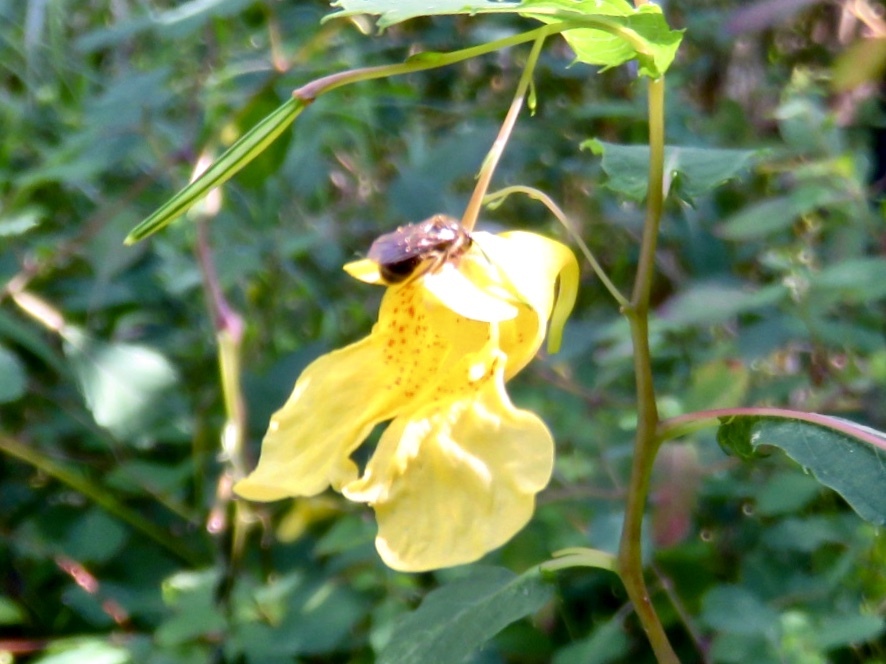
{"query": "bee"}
pixel 417 249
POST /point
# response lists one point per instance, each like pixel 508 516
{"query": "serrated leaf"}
pixel 616 32
pixel 458 618
pixel 640 33
pixel 852 465
pixel 693 171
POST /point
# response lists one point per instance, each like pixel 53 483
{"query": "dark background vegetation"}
pixel 771 289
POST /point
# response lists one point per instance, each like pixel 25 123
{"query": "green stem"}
pixel 248 146
pixel 100 497
pixel 424 61
pixel 497 197
pixel 472 211
pixel 630 562
pixel 229 336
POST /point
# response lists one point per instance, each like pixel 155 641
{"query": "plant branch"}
pixel 229 336
pixel 682 425
pixel 645 443
pixel 472 211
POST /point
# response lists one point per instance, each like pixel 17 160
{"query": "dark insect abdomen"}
pixel 394 273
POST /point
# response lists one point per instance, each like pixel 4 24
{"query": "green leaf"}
pixel 854 280
pixel 626 32
pixel 301 614
pixel 10 612
pixel 21 221
pixel 715 303
pixel 862 62
pixel 96 537
pixel 391 12
pixel 24 335
pixel 121 382
pixel 458 618
pixel 693 171
pixel 12 377
pixel 607 643
pixel 848 630
pixel 734 436
pixel 717 384
pixel 853 466
pixel 235 158
pixel 777 214
pixel 616 32
pixel 194 613
pixel 86 649
pixel 736 610
pixel 786 492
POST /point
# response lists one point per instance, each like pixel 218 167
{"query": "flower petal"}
pixel 336 401
pixel 364 270
pixel 455 479
pixel 418 351
pixel 459 294
pixel 529 265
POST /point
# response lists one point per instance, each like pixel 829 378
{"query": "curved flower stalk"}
pixel 456 472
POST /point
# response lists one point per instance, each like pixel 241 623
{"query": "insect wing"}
pixel 414 240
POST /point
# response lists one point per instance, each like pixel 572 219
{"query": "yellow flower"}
pixel 456 471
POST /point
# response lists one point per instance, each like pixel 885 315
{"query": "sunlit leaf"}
pixel 616 32
pixel 86 649
pixel 20 222
pixel 121 382
pixel 391 12
pixel 458 618
pixel 628 33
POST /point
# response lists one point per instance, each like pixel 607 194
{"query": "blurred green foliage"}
pixel 114 534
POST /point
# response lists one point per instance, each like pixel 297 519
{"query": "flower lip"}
pixel 415 249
